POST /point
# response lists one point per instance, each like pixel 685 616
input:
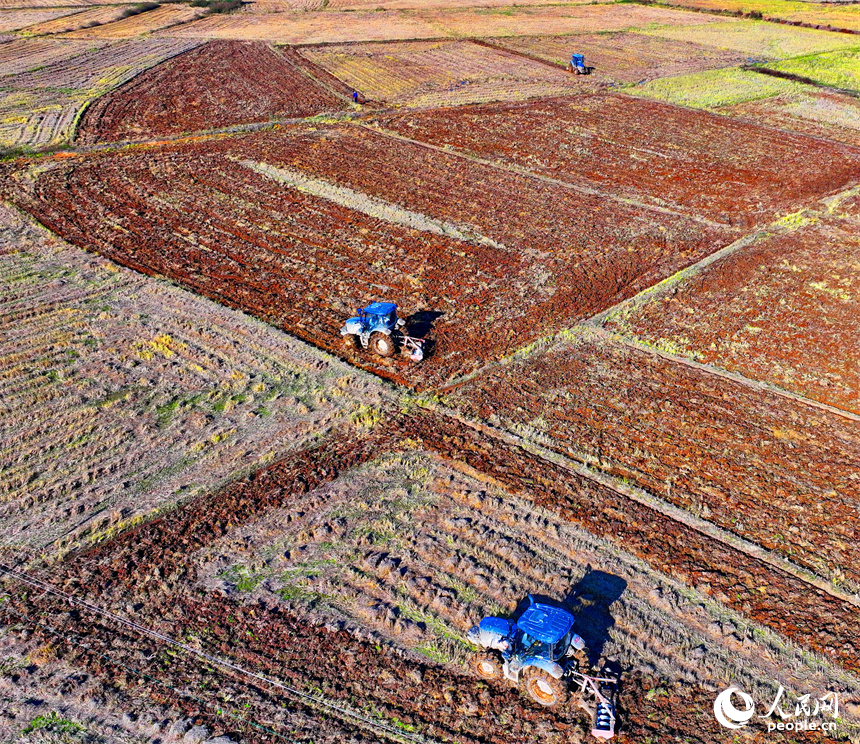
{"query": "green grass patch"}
pixel 757 39
pixel 53 723
pixel 840 69
pixel 714 88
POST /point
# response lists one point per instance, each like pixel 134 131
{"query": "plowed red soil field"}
pixel 305 262
pixel 216 85
pixel 817 113
pixel 785 310
pixel 728 170
pixel 739 457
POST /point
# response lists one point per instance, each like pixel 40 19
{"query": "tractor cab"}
pixel 544 632
pixel 377 316
pixel 536 650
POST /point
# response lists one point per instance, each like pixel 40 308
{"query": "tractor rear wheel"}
pixel 543 688
pixel 487 666
pixel 351 341
pixel 382 344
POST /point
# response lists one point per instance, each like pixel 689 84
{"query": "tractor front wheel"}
pixel 382 344
pixel 487 666
pixel 543 688
pixel 352 342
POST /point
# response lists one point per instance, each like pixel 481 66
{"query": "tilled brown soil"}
pixel 775 471
pixel 211 87
pixel 202 215
pixel 785 310
pixel 147 574
pixel 729 170
pixel 335 665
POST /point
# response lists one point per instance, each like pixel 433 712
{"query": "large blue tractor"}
pixel 377 327
pixel 541 653
pixel 577 65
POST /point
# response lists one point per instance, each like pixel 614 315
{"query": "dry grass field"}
pixel 13 20
pixel 440 73
pixel 830 15
pixel 48 82
pixel 88 18
pixel 756 39
pixel 125 403
pixel 364 25
pixel 139 24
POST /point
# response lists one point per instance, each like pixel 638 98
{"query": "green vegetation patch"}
pixel 54 724
pixel 715 88
pixel 758 39
pixel 840 69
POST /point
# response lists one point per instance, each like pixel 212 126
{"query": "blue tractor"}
pixel 577 64
pixel 377 327
pixel 541 653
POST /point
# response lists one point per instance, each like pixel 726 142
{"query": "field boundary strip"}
pixel 371 206
pixel 313 700
pixel 676 514
pixel 546 179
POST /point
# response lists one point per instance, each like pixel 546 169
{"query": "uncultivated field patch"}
pixel 364 25
pixel 736 456
pixel 828 15
pixel 85 19
pixel 440 73
pixel 714 89
pixel 625 57
pixel 730 171
pixel 122 401
pixel 161 17
pixel 756 39
pixel 10 6
pixel 305 262
pixel 840 69
pixel 12 20
pixel 556 20
pixel 785 310
pixel 213 86
pixel 309 28
pixel 21 55
pixel 53 79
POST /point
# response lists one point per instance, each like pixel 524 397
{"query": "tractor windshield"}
pixel 562 645
pixel 533 647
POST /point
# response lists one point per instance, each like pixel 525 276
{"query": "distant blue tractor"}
pixel 378 327
pixel 539 652
pixel 577 64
